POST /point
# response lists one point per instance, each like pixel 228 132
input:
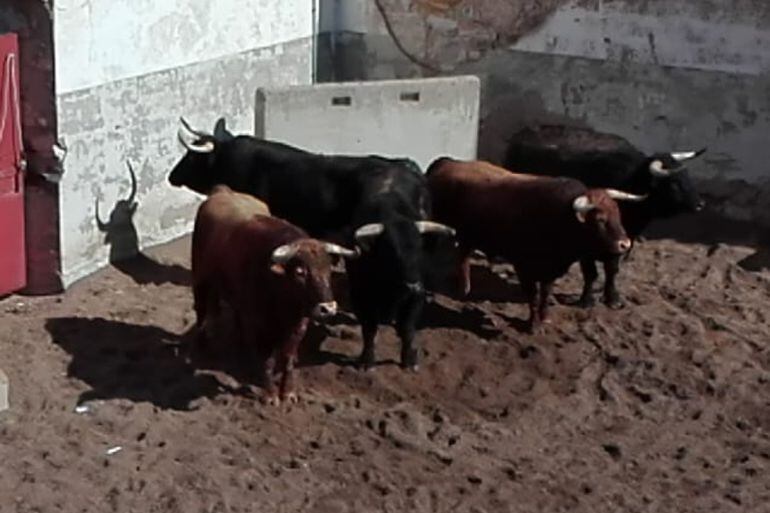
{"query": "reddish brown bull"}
pixel 542 225
pixel 270 272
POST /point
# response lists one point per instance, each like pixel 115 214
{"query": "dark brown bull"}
pixel 270 272
pixel 542 225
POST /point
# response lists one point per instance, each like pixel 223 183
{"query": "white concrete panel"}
pixel 421 119
pixel 612 31
pixel 100 41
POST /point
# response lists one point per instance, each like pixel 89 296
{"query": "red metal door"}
pixel 13 272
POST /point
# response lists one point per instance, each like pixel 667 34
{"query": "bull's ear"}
pixel 278 269
pixel 221 133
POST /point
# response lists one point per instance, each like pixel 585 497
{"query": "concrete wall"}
pixel 420 119
pixel 666 75
pixel 125 71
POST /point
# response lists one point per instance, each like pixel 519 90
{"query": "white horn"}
pixel 582 204
pixel 334 249
pixel 688 155
pixel 207 147
pixel 684 155
pixel 625 196
pixel 190 129
pixel 657 169
pixel 369 231
pixel 283 254
pixel 433 227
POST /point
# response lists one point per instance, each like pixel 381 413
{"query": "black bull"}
pixel 382 205
pixel 606 160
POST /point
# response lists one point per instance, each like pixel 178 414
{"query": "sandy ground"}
pixel 663 406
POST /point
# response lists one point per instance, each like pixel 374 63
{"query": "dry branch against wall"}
pixel 456 31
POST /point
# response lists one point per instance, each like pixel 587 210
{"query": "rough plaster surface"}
pixel 100 41
pixel 436 117
pixel 666 75
pixel 136 120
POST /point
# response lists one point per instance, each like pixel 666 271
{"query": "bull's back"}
pixel 595 158
pixel 503 213
pixel 216 220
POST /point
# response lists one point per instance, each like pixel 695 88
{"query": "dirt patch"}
pixel 662 406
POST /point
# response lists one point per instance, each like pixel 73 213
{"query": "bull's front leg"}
pixel 268 381
pixel 588 269
pixel 288 360
pixel 464 270
pixel 611 294
pixel 530 291
pixel 406 327
pixel 369 333
pixel 545 292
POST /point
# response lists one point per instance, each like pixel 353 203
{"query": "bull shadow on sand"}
pixel 120 360
pixel 121 235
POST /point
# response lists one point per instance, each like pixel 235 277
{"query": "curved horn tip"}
pixel 434 227
pixel 657 169
pixel 207 147
pixel 625 196
pixel 582 204
pixel 369 230
pixel 283 253
pixel 335 249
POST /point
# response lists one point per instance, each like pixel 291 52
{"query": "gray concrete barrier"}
pixel 422 119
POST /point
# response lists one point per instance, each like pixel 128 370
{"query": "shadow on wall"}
pixel 121 235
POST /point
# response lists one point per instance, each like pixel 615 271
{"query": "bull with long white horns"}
pixel 542 225
pixel 600 159
pixel 271 273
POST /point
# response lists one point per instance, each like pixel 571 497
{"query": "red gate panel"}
pixel 12 255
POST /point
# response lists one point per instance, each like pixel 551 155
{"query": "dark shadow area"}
pixel 119 360
pixel 712 229
pixel 759 261
pixel 709 228
pixel 123 239
pixel 467 318
pixel 144 271
pixel 486 285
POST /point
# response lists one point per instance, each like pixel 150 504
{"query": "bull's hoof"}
pixel 614 302
pixel 291 398
pixel 535 328
pixel 585 302
pixel 271 399
pixel 365 363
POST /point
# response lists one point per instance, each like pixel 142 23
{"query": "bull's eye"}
pixel 300 271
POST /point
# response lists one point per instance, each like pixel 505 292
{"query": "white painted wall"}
pixel 127 69
pixel 100 41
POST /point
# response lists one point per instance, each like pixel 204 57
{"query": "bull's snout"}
pixel 325 309
pixel 624 245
